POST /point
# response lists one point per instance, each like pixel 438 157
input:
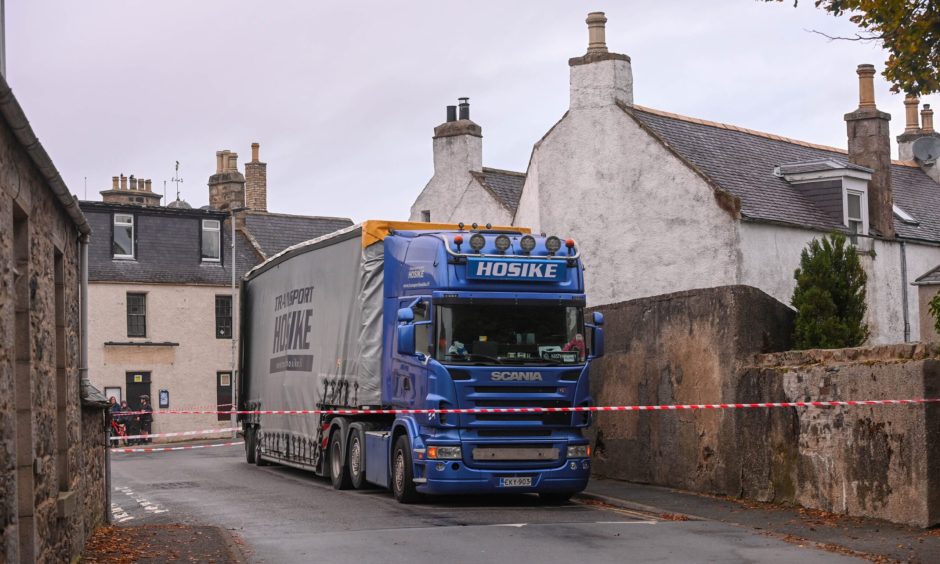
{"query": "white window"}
pixel 211 240
pixel 904 216
pixel 122 242
pixel 854 218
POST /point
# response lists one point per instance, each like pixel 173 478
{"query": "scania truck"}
pixel 396 316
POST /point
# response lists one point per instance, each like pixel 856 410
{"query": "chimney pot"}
pixel 132 183
pixel 597 41
pixel 147 185
pixel 232 162
pixel 123 182
pixel 218 162
pixel 451 113
pixel 114 182
pixel 866 86
pixel 910 112
pixel 464 105
pixel 926 118
pixel 255 148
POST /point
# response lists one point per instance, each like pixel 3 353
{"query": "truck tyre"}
pixel 339 470
pixel 403 485
pixel 357 456
pixel 250 448
pixel 555 498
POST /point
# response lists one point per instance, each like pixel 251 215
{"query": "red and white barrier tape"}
pixel 569 409
pixel 176 434
pixel 183 447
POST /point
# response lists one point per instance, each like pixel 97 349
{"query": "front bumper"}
pixel 457 478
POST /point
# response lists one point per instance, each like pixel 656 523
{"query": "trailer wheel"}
pixel 339 470
pixel 403 485
pixel 250 447
pixel 357 457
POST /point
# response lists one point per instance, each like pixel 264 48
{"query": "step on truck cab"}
pixel 418 316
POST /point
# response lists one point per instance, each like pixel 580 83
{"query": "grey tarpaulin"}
pixel 314 329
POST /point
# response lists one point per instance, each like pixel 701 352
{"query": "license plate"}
pixel 515 482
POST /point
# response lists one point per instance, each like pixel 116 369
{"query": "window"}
pixel 136 315
pixel 422 331
pixel 426 216
pixel 223 317
pixel 854 216
pixel 904 216
pixel 211 240
pixel 122 245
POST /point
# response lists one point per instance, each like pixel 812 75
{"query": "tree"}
pixel 909 30
pixel 830 295
pixel 934 307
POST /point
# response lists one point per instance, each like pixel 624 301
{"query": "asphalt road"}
pixel 286 515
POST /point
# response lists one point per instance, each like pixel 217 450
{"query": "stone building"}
pixel 53 489
pixel 661 202
pixel 161 288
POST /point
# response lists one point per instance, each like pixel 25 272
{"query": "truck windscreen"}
pixel 510 334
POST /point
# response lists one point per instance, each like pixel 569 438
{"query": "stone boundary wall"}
pixel 717 345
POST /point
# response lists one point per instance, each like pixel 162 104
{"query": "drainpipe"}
pixel 233 418
pixel 907 319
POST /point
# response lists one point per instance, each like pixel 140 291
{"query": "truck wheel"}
pixel 257 441
pixel 339 471
pixel 403 485
pixel 357 457
pixel 555 498
pixel 250 448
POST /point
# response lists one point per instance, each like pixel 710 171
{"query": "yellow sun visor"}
pixel 375 230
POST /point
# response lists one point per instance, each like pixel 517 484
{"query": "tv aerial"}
pixel 927 149
pixel 177 179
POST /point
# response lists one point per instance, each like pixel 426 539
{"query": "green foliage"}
pixel 909 30
pixel 830 295
pixel 934 307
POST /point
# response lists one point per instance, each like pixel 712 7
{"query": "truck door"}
pixel 409 373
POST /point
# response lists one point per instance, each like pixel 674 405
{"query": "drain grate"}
pixel 174 485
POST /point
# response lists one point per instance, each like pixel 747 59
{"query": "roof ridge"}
pixel 502 170
pixel 763 134
pixel 259 212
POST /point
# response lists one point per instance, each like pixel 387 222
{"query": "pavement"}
pixel 279 514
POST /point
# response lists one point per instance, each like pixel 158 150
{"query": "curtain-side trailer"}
pixel 404 316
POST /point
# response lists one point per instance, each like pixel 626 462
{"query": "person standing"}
pixel 145 418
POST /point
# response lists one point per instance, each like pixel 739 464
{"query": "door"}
pixel 409 374
pixel 138 384
pixel 223 394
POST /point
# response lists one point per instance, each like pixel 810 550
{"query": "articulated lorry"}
pixel 419 316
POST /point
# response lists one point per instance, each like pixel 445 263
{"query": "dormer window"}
pixel 122 236
pixel 211 240
pixel 853 215
pixel 837 188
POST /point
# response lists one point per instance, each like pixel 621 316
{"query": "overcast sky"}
pixel 343 97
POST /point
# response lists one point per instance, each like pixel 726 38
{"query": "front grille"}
pixel 513 433
pixel 519 403
pixel 515 389
pixel 544 418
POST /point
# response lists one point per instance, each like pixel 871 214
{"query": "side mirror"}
pixel 598 318
pixel 406 338
pixel 406 315
pixel 597 339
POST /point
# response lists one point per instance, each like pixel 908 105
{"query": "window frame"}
pixel 219 328
pixel 133 225
pixel 141 317
pixel 202 233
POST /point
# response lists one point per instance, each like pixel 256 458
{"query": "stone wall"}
pixel 682 348
pixel 705 346
pixel 873 461
pixel 43 467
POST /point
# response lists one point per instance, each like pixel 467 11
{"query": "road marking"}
pixel 147 505
pixel 625 522
pixel 517 525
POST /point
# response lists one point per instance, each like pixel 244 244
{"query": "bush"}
pixel 934 307
pixel 830 296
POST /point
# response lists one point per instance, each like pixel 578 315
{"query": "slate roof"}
pixel 742 162
pixel 505 185
pixel 275 232
pixel 932 277
pixel 168 243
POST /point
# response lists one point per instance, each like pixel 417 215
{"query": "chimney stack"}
pixel 120 192
pixel 227 185
pixel 869 144
pixel 600 78
pixel 256 181
pixel 597 40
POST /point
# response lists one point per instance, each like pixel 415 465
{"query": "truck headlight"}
pixel 580 451
pixel 444 452
pixel 477 241
pixel 553 244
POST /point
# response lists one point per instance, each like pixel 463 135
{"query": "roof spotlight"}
pixel 489 225
pixel 474 225
pixel 477 241
pixel 502 243
pixel 460 226
pixel 527 243
pixel 553 244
